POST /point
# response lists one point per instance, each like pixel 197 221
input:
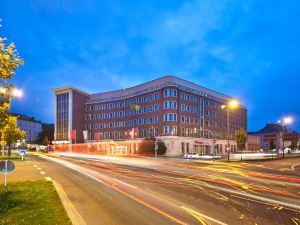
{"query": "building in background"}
pixel 29 124
pixel 253 143
pixel 186 116
pixel 273 132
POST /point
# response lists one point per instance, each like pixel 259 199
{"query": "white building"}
pixel 31 126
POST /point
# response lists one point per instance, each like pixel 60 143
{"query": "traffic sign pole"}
pixel 5 173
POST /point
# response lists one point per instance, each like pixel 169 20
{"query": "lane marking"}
pixel 42 172
pixel 39 168
pixel 125 183
pixel 293 166
pixel 35 165
pixel 73 214
pixel 265 203
pixel 202 215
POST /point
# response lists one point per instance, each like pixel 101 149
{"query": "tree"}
pixel 272 144
pixel 293 145
pixel 241 138
pixel 11 133
pixel 45 141
pixel 47 131
pixel 148 146
pixel 9 63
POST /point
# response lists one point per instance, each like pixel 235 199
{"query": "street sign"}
pixel 22 152
pixel 214 141
pixel 7 167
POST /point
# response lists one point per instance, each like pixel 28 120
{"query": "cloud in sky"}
pixel 245 49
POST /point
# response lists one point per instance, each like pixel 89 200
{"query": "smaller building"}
pixel 253 143
pixel 273 132
pixel 30 125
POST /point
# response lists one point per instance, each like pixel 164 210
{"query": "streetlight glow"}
pixel 287 120
pixel 17 93
pixel 233 103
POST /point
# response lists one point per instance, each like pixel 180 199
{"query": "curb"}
pixel 73 214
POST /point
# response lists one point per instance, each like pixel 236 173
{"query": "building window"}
pixel 156 107
pixel 150 97
pixel 150 108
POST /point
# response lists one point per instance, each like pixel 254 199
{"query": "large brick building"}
pixel 186 116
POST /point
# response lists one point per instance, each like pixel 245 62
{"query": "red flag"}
pixel 127 134
pixel 97 136
pixel 73 134
pixel 135 132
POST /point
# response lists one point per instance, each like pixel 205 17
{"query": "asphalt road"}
pixel 127 190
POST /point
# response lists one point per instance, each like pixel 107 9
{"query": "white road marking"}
pixel 125 183
pixel 42 172
pixel 35 165
pixel 204 216
pixel 48 178
pixel 39 168
pixel 293 166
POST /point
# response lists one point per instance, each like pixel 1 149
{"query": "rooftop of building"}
pixel 26 118
pixel 272 128
pixel 155 84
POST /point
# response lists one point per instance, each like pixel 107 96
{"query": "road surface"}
pixel 128 190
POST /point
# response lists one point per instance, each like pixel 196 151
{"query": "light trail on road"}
pixel 125 175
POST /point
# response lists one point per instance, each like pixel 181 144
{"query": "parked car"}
pixel 191 156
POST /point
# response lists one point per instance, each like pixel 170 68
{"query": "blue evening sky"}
pixel 248 49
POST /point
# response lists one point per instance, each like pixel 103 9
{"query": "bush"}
pixel 148 144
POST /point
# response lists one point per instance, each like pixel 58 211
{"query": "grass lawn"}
pixel 31 202
pixel 13 158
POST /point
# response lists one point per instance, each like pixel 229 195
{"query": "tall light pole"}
pixel 284 121
pixel 230 104
pixel 17 93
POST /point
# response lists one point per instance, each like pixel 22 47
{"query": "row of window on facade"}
pixel 129 123
pixel 121 114
pixel 23 123
pixel 167 130
pixel 123 104
pixel 222 116
pixel 221 125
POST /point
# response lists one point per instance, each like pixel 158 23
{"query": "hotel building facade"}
pixel 185 115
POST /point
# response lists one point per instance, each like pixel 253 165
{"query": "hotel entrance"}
pixel 202 149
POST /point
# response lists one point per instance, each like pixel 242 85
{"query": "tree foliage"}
pixel 45 141
pixel 272 144
pixel 11 133
pixel 293 145
pixel 241 138
pixel 148 146
pixel 47 131
pixel 9 63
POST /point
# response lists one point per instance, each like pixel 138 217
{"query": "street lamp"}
pixel 284 121
pixel 230 104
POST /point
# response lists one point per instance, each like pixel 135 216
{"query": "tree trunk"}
pixel 9 151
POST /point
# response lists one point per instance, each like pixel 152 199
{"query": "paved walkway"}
pixel 25 170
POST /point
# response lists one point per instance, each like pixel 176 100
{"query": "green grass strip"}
pixel 31 202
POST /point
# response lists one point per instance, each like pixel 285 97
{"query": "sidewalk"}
pixel 25 170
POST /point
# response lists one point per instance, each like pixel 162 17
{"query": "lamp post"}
pixel 11 93
pixel 230 104
pixel 284 121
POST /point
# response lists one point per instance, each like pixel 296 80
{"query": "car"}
pixel 191 156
